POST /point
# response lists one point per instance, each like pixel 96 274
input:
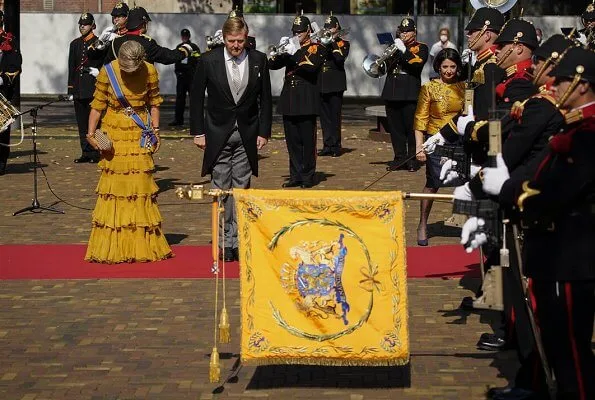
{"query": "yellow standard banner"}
pixel 323 277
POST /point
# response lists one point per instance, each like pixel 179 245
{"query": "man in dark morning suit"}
pixel 10 68
pixel 237 120
pixel 136 26
pixel 299 102
pixel 401 89
pixel 557 209
pixel 332 82
pixel 184 71
pixel 82 70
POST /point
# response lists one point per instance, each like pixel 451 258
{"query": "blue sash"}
pixel 148 138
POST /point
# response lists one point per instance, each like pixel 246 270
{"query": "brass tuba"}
pixel 375 66
pixel 500 5
pixel 8 113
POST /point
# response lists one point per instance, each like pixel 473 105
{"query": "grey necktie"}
pixel 235 75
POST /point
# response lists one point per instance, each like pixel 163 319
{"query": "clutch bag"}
pixel 103 141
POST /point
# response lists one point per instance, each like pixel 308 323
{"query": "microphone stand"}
pixel 35 205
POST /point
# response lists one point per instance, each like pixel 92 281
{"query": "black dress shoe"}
pixel 306 185
pixel 336 153
pixel 290 184
pixel 229 255
pixel 491 342
pixel 511 393
pixel 236 254
pixel 396 165
pixel 2 168
pixel 83 159
pixel 325 152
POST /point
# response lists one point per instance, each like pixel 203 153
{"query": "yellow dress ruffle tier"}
pixel 126 218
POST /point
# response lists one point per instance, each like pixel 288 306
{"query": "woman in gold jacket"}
pixel 439 100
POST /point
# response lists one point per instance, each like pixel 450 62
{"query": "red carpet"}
pixel 66 262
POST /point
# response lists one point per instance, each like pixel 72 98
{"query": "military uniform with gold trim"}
pixel 332 82
pixel 557 208
pixel 154 52
pixel 400 92
pixel 10 69
pixel 299 103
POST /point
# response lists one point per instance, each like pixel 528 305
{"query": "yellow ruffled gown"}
pixel 126 218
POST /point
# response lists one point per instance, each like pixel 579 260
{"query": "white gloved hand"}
pixel 93 71
pixel 465 56
pixel 470 228
pixel 283 40
pixel 494 178
pixel 219 32
pixel 447 168
pixel 400 45
pixel 435 140
pixel 291 47
pixel 463 192
pixel 463 120
pixel 474 170
pixel 108 34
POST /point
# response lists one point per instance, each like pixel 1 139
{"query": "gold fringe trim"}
pixel 224 330
pixel 328 362
pixel 214 367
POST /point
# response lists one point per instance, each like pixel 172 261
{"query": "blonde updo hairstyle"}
pixel 131 55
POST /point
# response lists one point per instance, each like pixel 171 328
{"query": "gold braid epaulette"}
pixel 479 74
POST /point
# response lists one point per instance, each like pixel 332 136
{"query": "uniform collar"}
pixel 581 113
pixel 521 66
pixel 89 36
pixel 135 32
pixel 487 53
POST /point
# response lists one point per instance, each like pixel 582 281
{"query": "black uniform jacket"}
pixel 188 66
pixel 155 53
pixel 485 75
pixel 81 84
pixel 253 112
pixel 300 95
pixel 558 205
pixel 331 77
pixel 536 120
pixel 10 64
pixel 403 78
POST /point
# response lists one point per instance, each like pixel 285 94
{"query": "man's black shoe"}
pixel 336 153
pixel 83 159
pixel 325 152
pixel 306 185
pixel 229 255
pixel 491 342
pixel 176 123
pixel 290 184
pixel 511 393
pixel 2 168
pixel 396 165
pixel 236 253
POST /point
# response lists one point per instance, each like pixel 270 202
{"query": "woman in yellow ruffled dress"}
pixel 126 219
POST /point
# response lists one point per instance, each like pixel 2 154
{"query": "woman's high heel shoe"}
pixel 421 242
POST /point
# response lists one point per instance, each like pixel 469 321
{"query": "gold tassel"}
pixel 224 331
pixel 214 367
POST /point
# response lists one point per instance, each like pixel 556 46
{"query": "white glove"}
pixel 188 48
pixel 463 192
pixel 400 45
pixel 463 120
pixel 283 40
pixel 447 172
pixel 291 47
pixel 494 178
pixel 219 32
pixel 435 140
pixel 93 71
pixel 472 225
pixel 108 34
pixel 474 170
pixel 465 55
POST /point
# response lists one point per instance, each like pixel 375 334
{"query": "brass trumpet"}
pixel 375 66
pixel 281 48
pixel 102 42
pixel 325 36
pixel 214 41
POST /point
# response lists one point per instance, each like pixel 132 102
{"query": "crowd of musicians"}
pixel 510 123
